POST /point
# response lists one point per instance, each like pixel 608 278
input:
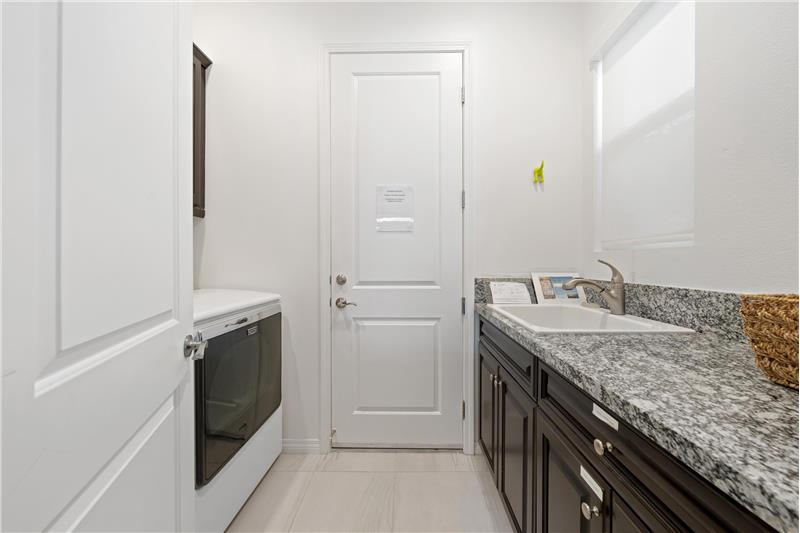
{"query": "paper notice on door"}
pixel 509 292
pixel 394 209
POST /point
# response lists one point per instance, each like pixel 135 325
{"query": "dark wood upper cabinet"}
pixel 200 66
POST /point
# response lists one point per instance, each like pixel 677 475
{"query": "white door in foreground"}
pixel 396 182
pixel 96 251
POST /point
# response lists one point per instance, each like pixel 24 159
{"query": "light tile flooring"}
pixel 375 491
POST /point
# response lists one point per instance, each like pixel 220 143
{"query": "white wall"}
pixel 746 152
pixel 262 136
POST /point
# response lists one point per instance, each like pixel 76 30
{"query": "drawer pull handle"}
pixel 600 448
pixel 589 512
pixel 605 417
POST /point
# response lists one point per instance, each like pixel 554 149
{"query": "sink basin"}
pixel 564 318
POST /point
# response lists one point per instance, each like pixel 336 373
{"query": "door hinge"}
pixel 463 199
pixel 463 306
pixel 463 410
pixel 333 434
pixel 463 95
pixel 330 302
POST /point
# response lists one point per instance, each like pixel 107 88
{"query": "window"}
pixel 644 130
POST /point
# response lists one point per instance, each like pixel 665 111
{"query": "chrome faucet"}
pixel 613 295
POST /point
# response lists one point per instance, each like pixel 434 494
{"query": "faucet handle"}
pixel 616 275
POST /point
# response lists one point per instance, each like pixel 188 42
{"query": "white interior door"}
pixel 96 266
pixel 396 235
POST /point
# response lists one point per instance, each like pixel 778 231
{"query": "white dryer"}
pixel 238 414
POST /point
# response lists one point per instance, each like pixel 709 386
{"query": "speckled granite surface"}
pixel 704 311
pixel 699 396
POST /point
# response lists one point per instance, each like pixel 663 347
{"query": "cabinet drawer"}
pixel 691 502
pixel 519 362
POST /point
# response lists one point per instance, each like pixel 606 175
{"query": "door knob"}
pixel 341 279
pixel 341 303
pixel 194 349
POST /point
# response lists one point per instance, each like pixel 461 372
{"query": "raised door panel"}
pixel 624 519
pixel 516 452
pixel 404 352
pixel 117 165
pixel 487 425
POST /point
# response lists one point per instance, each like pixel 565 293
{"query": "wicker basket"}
pixel 770 323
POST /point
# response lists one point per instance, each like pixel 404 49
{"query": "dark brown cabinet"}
pixel 623 518
pixel 564 463
pixel 200 66
pixel 506 422
pixel 515 477
pixel 571 492
pixel 487 406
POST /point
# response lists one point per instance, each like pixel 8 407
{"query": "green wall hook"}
pixel 538 173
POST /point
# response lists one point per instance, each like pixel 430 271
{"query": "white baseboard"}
pixel 300 445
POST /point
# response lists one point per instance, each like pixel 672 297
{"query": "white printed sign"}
pixel 394 209
pixel 509 292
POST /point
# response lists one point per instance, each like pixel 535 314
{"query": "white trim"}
pixel 676 240
pixel 597 151
pixel 301 445
pixel 468 247
pixel 673 240
pixel 324 150
pixel 635 14
pixel 468 257
pixel 2 301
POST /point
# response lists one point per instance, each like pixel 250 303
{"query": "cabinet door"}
pixel 624 519
pixel 570 492
pixel 516 451
pixel 200 63
pixel 487 405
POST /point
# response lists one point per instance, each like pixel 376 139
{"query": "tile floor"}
pixel 375 491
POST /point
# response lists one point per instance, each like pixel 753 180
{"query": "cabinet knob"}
pixel 601 448
pixel 589 512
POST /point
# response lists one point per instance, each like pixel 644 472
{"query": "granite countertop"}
pixel 698 396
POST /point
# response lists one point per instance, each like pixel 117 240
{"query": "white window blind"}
pixel 644 131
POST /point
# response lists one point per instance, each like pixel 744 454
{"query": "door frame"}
pixel 467 227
